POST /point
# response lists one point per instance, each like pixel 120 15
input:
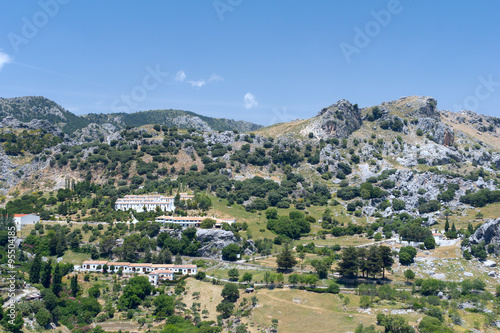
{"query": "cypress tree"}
pixel 35 268
pixel 57 281
pixel 45 275
pixel 74 285
pixel 446 225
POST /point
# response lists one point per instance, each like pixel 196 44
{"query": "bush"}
pixel 407 254
pixel 430 324
pixel 333 288
pixel 430 243
pixel 231 252
pixel 398 204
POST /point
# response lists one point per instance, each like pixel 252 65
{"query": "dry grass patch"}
pixel 301 311
pixel 209 296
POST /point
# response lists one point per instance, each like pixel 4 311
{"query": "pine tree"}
pixel 374 263
pixel 57 281
pixel 74 285
pixel 45 275
pixel 387 259
pixel 348 265
pixel 470 228
pixel 285 259
pixel 35 268
pixel 362 264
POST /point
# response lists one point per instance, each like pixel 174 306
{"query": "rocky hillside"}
pixel 26 109
pixel 92 126
pixel 403 156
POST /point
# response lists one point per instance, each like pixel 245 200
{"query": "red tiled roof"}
pixel 162 265
pixel 91 262
pixel 140 265
pixel 161 271
pixel 113 263
pixel 185 266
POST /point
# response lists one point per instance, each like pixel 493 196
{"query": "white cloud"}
pixel 4 59
pixel 250 100
pixel 215 77
pixel 199 83
pixel 180 76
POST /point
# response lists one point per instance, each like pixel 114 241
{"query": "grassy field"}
pixel 209 296
pixel 257 221
pixel 26 230
pixel 301 311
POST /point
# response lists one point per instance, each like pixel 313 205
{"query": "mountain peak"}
pixel 412 106
pixel 338 120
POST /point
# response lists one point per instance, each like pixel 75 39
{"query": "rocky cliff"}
pixel 489 233
pixel 213 241
pixel 339 120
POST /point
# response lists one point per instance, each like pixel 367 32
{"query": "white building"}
pixel 438 238
pixel 159 275
pixel 161 271
pixel 140 203
pixel 25 219
pixel 93 266
pixel 192 221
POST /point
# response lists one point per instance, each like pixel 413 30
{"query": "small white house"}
pixel 437 237
pixel 160 275
pixel 25 219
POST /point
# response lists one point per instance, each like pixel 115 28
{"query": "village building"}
pixel 141 203
pixel 93 266
pixel 192 221
pixel 437 237
pixel 160 275
pixel 155 272
pixel 22 220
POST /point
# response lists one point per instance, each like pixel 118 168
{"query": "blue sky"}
pixel 262 61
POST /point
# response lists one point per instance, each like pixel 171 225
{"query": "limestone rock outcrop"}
pixel 338 120
pixel 489 233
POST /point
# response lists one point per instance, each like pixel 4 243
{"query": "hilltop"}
pixel 91 126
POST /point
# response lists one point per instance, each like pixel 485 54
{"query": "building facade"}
pixel 141 203
pixel 25 219
pixel 156 272
pixel 192 221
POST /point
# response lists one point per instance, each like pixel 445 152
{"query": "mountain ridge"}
pixel 409 133
pixel 28 108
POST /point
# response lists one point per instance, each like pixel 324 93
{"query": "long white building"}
pixel 155 272
pixel 192 221
pixel 141 203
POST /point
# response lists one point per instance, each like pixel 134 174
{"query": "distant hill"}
pixel 28 108
pixel 178 118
